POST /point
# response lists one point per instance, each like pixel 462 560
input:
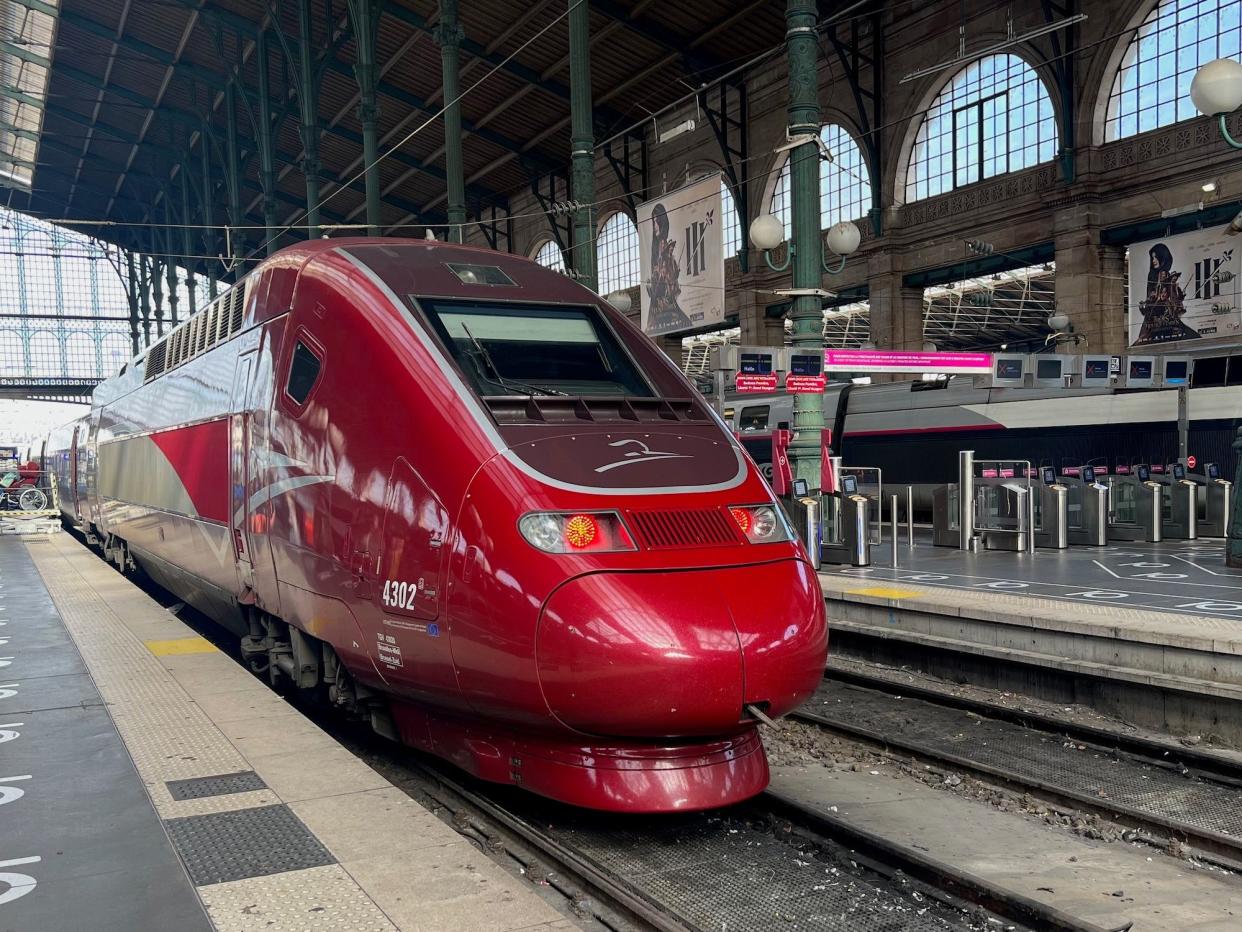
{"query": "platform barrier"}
pixel 1086 508
pixel 1215 501
pixel 992 503
pixel 1135 507
pixel 1179 503
pixel 1051 511
pixel 846 536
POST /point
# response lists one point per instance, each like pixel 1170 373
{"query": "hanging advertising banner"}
pixel 1185 287
pixel 947 363
pixel 681 257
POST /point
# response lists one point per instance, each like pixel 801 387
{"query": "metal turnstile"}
pixel 1051 511
pixel 1135 507
pixel 1214 502
pixel 992 503
pixel 1086 508
pixel 847 518
pixel 1179 504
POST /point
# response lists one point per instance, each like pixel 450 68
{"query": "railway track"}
pixel 1160 790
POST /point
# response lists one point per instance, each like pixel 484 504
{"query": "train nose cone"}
pixel 680 653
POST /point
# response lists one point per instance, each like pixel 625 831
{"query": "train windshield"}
pixel 511 349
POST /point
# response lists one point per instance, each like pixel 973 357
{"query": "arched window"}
pixel 114 351
pixel 994 117
pixel 12 353
pixel 844 183
pixel 732 232
pixel 45 356
pixel 1152 86
pixel 81 360
pixel 549 256
pixel 616 251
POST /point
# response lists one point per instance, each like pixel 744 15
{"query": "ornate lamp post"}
pixel 1216 91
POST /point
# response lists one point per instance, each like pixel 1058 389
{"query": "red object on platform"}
pixel 805 384
pixel 782 474
pixel 755 383
pixel 827 477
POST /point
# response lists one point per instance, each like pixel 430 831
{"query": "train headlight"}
pixel 762 524
pixel 576 532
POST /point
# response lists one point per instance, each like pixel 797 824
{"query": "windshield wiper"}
pixel 501 380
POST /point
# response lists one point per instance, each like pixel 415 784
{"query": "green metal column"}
pixel 131 293
pixel 187 243
pixel 365 15
pixel 1233 554
pixel 802 47
pixel 170 268
pixel 308 99
pixel 267 162
pixel 582 143
pixel 144 298
pixel 449 34
pixel 232 168
pixel 157 296
pixel 209 216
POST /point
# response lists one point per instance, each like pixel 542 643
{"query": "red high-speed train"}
pixel 458 493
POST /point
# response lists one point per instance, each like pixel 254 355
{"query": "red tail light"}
pixel 762 524
pixel 742 517
pixel 576 532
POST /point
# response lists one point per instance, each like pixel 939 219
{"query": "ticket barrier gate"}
pixel 1179 504
pixel 1135 507
pixel 846 526
pixel 1214 502
pixel 1087 508
pixel 1051 511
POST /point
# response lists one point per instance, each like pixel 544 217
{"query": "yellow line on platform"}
pixel 884 593
pixel 194 645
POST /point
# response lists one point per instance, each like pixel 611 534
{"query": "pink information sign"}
pixel 851 360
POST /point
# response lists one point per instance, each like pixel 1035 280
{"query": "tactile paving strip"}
pixel 199 787
pixel 1040 755
pixel 716 873
pixel 224 846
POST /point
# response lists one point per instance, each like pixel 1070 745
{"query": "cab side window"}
pixel 303 372
pixel 754 418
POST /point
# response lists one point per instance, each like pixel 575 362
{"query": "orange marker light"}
pixel 742 517
pixel 581 531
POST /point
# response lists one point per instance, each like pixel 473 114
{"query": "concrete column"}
pixel 582 143
pixel 896 310
pixel 1090 285
pixel 449 34
pixel 807 261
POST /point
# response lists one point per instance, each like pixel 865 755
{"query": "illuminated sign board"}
pixel 947 363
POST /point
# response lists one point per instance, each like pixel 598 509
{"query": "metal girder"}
pixel 861 55
pixel 627 157
pixel 39 7
pixel 557 211
pixel 20 51
pixel 657 35
pixel 1061 63
pixel 13 93
pixel 495 226
pixel 19 132
pixel 733 137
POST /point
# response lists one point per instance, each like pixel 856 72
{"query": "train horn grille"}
pixel 684 529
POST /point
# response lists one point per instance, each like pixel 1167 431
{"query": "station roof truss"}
pixel 137 87
pixel 27 39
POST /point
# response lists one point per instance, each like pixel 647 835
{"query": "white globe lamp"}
pixel 867 345
pixel 1217 87
pixel 621 301
pixel 843 238
pixel 1058 320
pixel 929 346
pixel 767 232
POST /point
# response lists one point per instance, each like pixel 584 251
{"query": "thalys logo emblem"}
pixel 642 454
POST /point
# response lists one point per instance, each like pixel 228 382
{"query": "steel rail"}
pixel 1225 848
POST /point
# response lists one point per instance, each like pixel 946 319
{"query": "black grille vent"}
pixel 682 530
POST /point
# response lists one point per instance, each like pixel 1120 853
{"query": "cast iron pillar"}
pixel 209 217
pixel 582 144
pixel 131 293
pixel 365 15
pixel 157 295
pixel 170 268
pixel 308 100
pixel 187 242
pixel 144 297
pixel 232 168
pixel 1233 554
pixel 267 162
pixel 449 34
pixel 802 47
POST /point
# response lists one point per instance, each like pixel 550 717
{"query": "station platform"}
pixel 1148 632
pixel 147 781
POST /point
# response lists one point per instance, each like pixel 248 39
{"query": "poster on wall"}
pixel 681 257
pixel 1185 287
